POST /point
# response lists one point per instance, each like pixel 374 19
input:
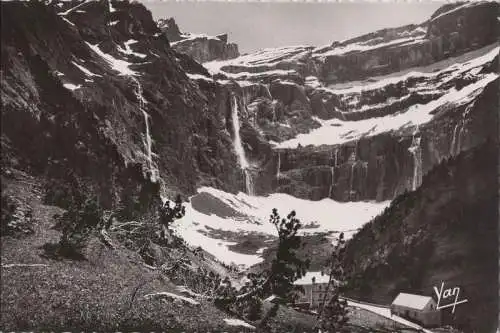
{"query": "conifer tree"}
pixel 332 314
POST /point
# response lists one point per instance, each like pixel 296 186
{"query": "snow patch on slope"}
pixel 71 86
pixel 252 216
pixel 118 65
pixel 238 322
pixel 128 50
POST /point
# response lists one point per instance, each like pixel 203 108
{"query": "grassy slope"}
pixel 104 292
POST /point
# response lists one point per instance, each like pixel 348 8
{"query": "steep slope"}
pixel 364 118
pixel 200 47
pixel 105 96
pixel 445 231
pixel 108 291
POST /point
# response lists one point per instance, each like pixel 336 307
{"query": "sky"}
pixel 257 25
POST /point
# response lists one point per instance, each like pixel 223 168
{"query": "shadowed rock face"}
pixel 71 103
pixel 201 48
pixel 446 231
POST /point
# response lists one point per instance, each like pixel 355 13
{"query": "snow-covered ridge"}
pixel 363 47
pixel 336 131
pixel 269 59
pixel 456 65
pixel 461 7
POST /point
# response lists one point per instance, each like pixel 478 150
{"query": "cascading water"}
pixel 240 151
pixel 364 166
pixel 148 142
pixel 268 92
pixel 416 151
pixel 351 181
pixel 457 134
pixel 455 131
pixel 353 161
pixel 279 166
pixel 334 157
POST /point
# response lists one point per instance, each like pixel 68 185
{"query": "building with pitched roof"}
pixel 417 308
pixel 315 287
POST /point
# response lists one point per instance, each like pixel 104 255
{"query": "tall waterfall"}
pixel 353 160
pixel 457 134
pixel 240 151
pixel 279 166
pixel 268 92
pixel 148 142
pixel 416 151
pixel 351 180
pixel 332 169
pixel 454 139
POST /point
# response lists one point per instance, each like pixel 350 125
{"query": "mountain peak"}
pixel 200 47
pixel 170 29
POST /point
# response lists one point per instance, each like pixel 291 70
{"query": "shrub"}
pixel 8 214
pixel 77 224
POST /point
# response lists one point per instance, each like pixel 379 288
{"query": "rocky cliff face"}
pixel 366 118
pixel 446 231
pixel 308 126
pixel 94 90
pixel 201 48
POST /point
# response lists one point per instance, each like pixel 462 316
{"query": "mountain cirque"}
pixel 98 95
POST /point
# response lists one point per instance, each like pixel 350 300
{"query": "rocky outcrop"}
pixel 170 29
pixel 202 48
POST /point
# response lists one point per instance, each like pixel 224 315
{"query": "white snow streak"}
pixel 84 70
pixel 68 21
pixel 238 322
pixel 199 77
pixel 129 51
pixel 174 296
pixel 118 65
pixel 73 8
pixel 72 86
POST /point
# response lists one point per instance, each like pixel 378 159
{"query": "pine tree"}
pixel 278 280
pixel 332 315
